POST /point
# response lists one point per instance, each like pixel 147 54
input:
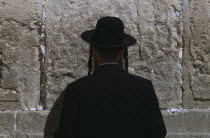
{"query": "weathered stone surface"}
pixel 197 54
pixel 200 51
pixel 186 122
pixel 36 135
pixel 155 24
pixel 31 122
pixel 3 136
pixel 159 43
pixel 9 100
pixel 196 121
pixel 7 124
pixel 174 121
pixel 19 41
pixel 182 135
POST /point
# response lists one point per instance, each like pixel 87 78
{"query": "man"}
pixel 110 102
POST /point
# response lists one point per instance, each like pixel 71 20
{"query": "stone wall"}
pixel 41 52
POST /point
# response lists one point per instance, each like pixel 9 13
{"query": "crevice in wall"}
pixel 15 127
pixel 139 31
pixel 190 54
pixel 188 95
pixel 181 71
pixel 0 66
pixel 1 61
pixel 173 110
pixel 42 100
pixel 181 50
pixel 176 110
pixel 200 99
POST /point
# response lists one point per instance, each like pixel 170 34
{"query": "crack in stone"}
pixel 1 63
pixel 69 74
pixel 139 31
pixel 183 37
pixel 189 45
pixel 0 69
pixel 15 127
pixel 42 101
pixel 182 40
pixel 201 100
pixel 181 71
pixel 173 110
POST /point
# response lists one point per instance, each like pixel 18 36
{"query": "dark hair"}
pixel 107 53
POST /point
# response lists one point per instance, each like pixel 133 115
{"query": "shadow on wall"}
pixel 53 118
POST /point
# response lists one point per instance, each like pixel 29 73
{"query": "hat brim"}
pixel 127 41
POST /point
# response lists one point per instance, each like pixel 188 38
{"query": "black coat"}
pixel 111 103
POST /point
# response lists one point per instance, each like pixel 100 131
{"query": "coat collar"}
pixel 109 67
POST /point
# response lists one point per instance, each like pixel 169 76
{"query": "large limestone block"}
pixel 160 48
pixel 197 54
pixel 154 23
pixel 19 49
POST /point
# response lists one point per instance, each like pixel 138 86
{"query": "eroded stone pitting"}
pixel 42 101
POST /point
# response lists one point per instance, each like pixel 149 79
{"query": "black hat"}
pixel 109 32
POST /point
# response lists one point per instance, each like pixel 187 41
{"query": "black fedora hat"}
pixel 109 32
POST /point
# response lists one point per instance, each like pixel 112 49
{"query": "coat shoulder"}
pixel 125 77
pixel 77 82
pixel 138 77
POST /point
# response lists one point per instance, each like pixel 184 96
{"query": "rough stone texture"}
pixel 192 121
pixel 31 122
pixel 181 135
pixel 159 46
pixel 174 121
pixel 3 136
pixel 7 124
pixel 30 136
pixel 197 54
pixel 19 53
pixel 200 51
pixel 9 100
pixel 155 24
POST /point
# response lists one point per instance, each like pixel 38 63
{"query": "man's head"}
pixel 108 42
